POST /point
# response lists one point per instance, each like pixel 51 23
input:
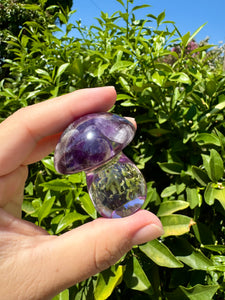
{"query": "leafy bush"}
pixel 179 145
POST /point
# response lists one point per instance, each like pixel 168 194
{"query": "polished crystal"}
pixel 94 143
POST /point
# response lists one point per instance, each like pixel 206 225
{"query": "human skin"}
pixel 34 264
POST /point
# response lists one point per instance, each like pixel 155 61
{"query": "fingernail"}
pixel 147 233
pixel 132 120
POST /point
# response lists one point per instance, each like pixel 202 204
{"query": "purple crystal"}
pixel 92 140
pixel 94 143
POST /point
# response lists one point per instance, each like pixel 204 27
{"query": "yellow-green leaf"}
pixel 219 194
pixel 160 254
pixel 176 224
pixel 107 281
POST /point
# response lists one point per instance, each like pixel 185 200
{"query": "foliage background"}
pixel 175 89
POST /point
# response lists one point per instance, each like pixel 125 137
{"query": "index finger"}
pixel 22 131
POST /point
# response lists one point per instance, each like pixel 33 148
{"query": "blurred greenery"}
pixel 175 89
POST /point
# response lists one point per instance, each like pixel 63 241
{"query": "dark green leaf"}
pixel 216 167
pixel 135 277
pixel 197 292
pixel 190 256
pixel 171 168
pixel 200 175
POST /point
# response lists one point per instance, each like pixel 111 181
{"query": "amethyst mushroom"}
pixel 94 143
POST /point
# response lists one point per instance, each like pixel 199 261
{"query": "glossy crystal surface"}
pixel 118 188
pixel 94 143
pixel 92 140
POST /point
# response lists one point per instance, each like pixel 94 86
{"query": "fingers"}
pixel 29 126
pixel 9 223
pixel 12 191
pixel 95 246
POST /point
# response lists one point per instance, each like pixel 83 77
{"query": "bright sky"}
pixel 188 15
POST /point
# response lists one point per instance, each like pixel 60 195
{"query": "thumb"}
pixel 93 247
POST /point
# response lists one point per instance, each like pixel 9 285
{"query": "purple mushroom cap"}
pixel 92 140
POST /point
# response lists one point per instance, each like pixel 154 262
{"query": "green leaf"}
pixel 34 7
pixel 62 296
pixel 45 209
pixel 121 2
pixel 219 194
pixel 44 73
pixel 61 70
pixel 121 65
pixel 135 277
pixel 207 139
pixel 68 220
pixel 214 111
pixel 160 254
pixel 169 191
pixel 216 166
pixel 125 85
pixel 160 131
pixel 107 281
pixel 200 49
pixel 141 6
pixel 181 77
pixel 196 32
pixel 27 207
pixel 190 256
pixel 101 69
pixel 193 197
pixel 185 39
pixel 197 292
pixel 171 168
pixel 211 87
pixel 206 159
pixel 176 224
pixel 169 207
pixel 200 175
pixel 215 248
pixel 58 185
pixel 158 78
pixel 49 164
pixel 88 206
pixel 209 194
pixel 160 18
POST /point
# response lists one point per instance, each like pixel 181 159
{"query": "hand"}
pixel 33 264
